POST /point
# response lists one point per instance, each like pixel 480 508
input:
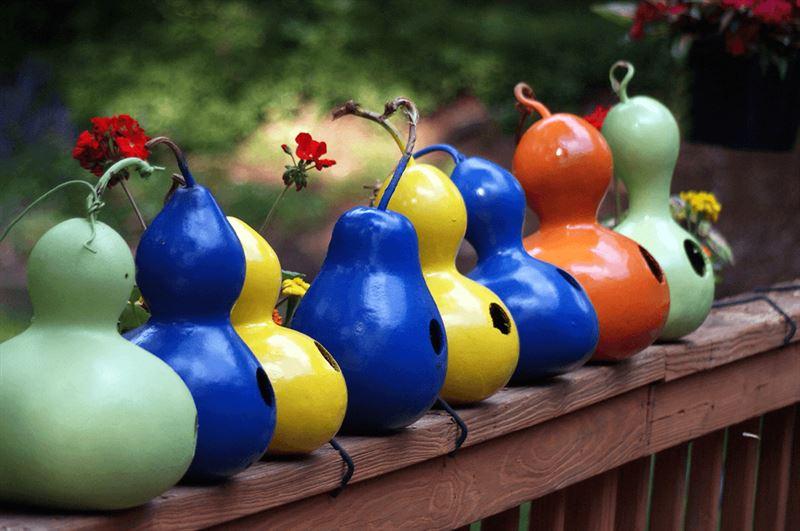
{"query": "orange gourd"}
pixel 565 167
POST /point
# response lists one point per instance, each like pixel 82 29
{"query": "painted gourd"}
pixel 372 310
pixel 87 420
pixel 556 322
pixel 482 340
pixel 644 140
pixel 309 387
pixel 564 165
pixel 190 269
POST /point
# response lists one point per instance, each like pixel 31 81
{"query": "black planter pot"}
pixel 735 103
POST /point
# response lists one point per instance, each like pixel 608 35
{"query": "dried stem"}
pixel 407 148
pixel 133 204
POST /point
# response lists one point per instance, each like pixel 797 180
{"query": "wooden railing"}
pixel 683 435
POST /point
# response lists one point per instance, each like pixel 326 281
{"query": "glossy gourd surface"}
pixel 483 344
pixel 557 324
pixel 371 309
pixel 310 391
pixel 87 420
pixel 190 269
pixel 644 140
pixel 565 166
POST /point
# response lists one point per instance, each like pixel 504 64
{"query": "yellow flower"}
pixel 296 287
pixel 703 203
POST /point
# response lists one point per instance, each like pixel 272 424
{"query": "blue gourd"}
pixel 371 308
pixel 190 269
pixel 557 325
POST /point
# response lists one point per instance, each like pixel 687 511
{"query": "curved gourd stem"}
pixel 526 103
pixel 621 87
pixel 455 154
pixel 93 204
pixel 410 109
pixel 179 157
pixel 350 467
pixel 524 94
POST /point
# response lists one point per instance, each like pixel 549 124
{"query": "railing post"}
pixel 633 491
pixel 705 482
pixel 669 489
pixel 773 469
pixel 739 482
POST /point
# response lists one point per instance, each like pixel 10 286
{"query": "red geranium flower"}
pixel 309 151
pixel 650 11
pixel 773 11
pixel 110 139
pixel 597 116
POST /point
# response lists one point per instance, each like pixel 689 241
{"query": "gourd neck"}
pixel 649 197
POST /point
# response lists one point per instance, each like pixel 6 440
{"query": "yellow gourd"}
pixel 310 392
pixel 482 339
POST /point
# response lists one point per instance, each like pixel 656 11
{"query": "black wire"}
pixel 786 317
pixel 348 461
pixel 788 287
pixel 462 426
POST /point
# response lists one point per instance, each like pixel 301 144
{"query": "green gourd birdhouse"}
pixel 87 419
pixel 644 140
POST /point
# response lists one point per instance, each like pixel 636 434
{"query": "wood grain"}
pixel 669 489
pixel 548 512
pixel 693 406
pixel 777 432
pixel 446 493
pixel 758 327
pixel 592 503
pixel 705 482
pixel 633 495
pixel 739 484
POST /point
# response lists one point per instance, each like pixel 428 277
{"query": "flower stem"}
pixel 133 204
pixel 272 209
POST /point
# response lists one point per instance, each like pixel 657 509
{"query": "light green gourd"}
pixel 644 140
pixel 87 419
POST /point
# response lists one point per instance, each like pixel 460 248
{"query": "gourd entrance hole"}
pixel 327 356
pixel 265 387
pixel 652 264
pixel 695 256
pixel 500 319
pixel 437 337
pixel 569 278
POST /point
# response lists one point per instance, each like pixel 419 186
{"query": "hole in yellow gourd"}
pixel 437 337
pixel 695 256
pixel 652 264
pixel 327 356
pixel 500 319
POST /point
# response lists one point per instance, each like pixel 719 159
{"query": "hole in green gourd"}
pixel 327 356
pixel 695 256
pixel 658 273
pixel 127 275
pixel 500 319
pixel 569 278
pixel 437 336
pixel 265 387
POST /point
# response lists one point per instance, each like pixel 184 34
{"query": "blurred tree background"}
pixel 231 81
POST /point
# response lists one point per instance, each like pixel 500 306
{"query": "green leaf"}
pixel 620 13
pixel 286 275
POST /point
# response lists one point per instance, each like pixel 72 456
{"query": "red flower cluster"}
pixel 647 12
pixel 309 150
pixel 597 116
pixel 310 153
pixel 110 139
pixel 774 12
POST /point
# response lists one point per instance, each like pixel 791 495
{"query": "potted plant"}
pixel 744 57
